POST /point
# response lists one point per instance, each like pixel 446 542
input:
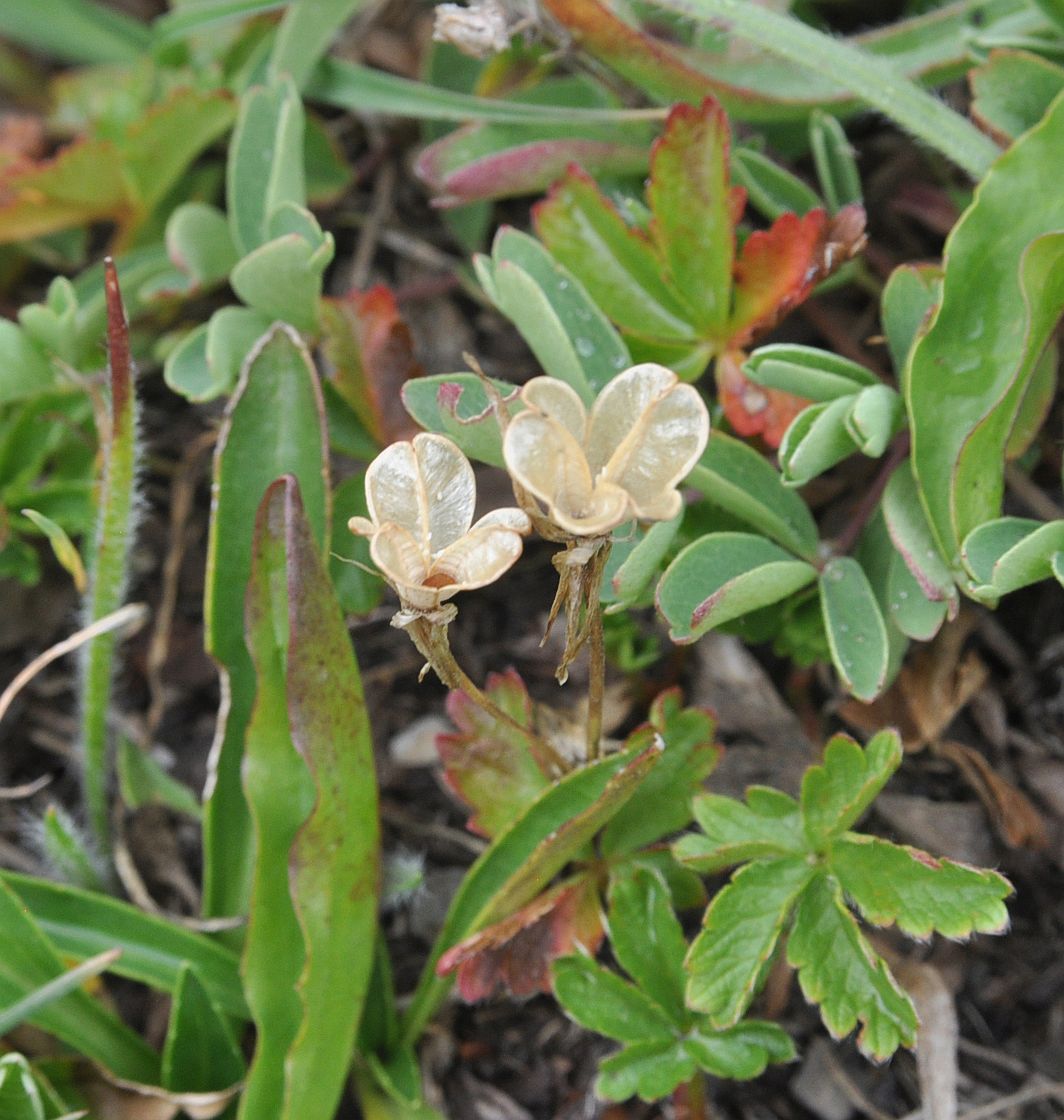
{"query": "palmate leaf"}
pixel 921 894
pixel 839 971
pixel 837 792
pixel 648 1070
pixel 602 1001
pixel 739 934
pixel 767 825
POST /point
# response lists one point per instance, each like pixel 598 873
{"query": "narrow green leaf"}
pixel 857 633
pixel 203 15
pixel 200 1054
pixel 723 576
pixel 265 166
pixel 921 894
pixel 63 547
pixel 835 161
pixel 772 189
pixel 523 859
pixel 816 440
pixel 20 1098
pixel 82 924
pixel 742 1052
pixel 739 934
pixel 968 373
pixel 306 31
pixel 839 971
pixel 28 962
pixel 840 789
pixel 649 1070
pixel 456 405
pixel 278 393
pixel 71 858
pixel 735 477
pixel 1012 552
pixel 142 781
pixel 629 581
pixel 807 371
pixel 766 826
pixel 647 940
pixel 72 980
pixel 601 1001
pixel 75 30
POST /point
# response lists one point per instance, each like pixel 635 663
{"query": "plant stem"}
pixel 690 1099
pixel 114 538
pixel 866 506
pixel 872 79
pixel 433 644
pixel 596 681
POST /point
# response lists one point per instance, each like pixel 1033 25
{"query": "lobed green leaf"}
pixel 601 1001
pixel 768 825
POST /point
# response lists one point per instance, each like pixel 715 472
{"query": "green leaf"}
pixel 201 1053
pixel 207 361
pixel 693 227
pixel 742 1052
pixel 839 971
pixel 20 1098
pixel 265 166
pixel 816 440
pixel 617 264
pixel 142 781
pixel 772 189
pixel 75 30
pixel 911 611
pixel 723 576
pixel 525 857
pixel 739 934
pixel 807 371
pixel 910 294
pixel 648 942
pixel 62 546
pixel 307 30
pixel 649 1070
pixel 735 477
pixel 199 243
pixel 626 584
pixel 309 777
pixel 662 804
pixel 1012 552
pixel 601 1001
pixel 766 826
pixel 840 789
pixel 15 1014
pixel 456 405
pixel 71 858
pixel 567 332
pixel 912 537
pixel 834 160
pixel 921 894
pixel 876 416
pixel 82 924
pixel 30 961
pixel 968 374
pixel 857 633
pixel 1012 90
pixel 282 278
pixel 278 393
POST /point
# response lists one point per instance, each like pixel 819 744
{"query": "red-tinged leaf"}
pixel 753 410
pixel 776 271
pixel 694 210
pixel 516 953
pixel 652 65
pixel 618 265
pixel 371 353
pixel 82 183
pixel 517 160
pixel 488 764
